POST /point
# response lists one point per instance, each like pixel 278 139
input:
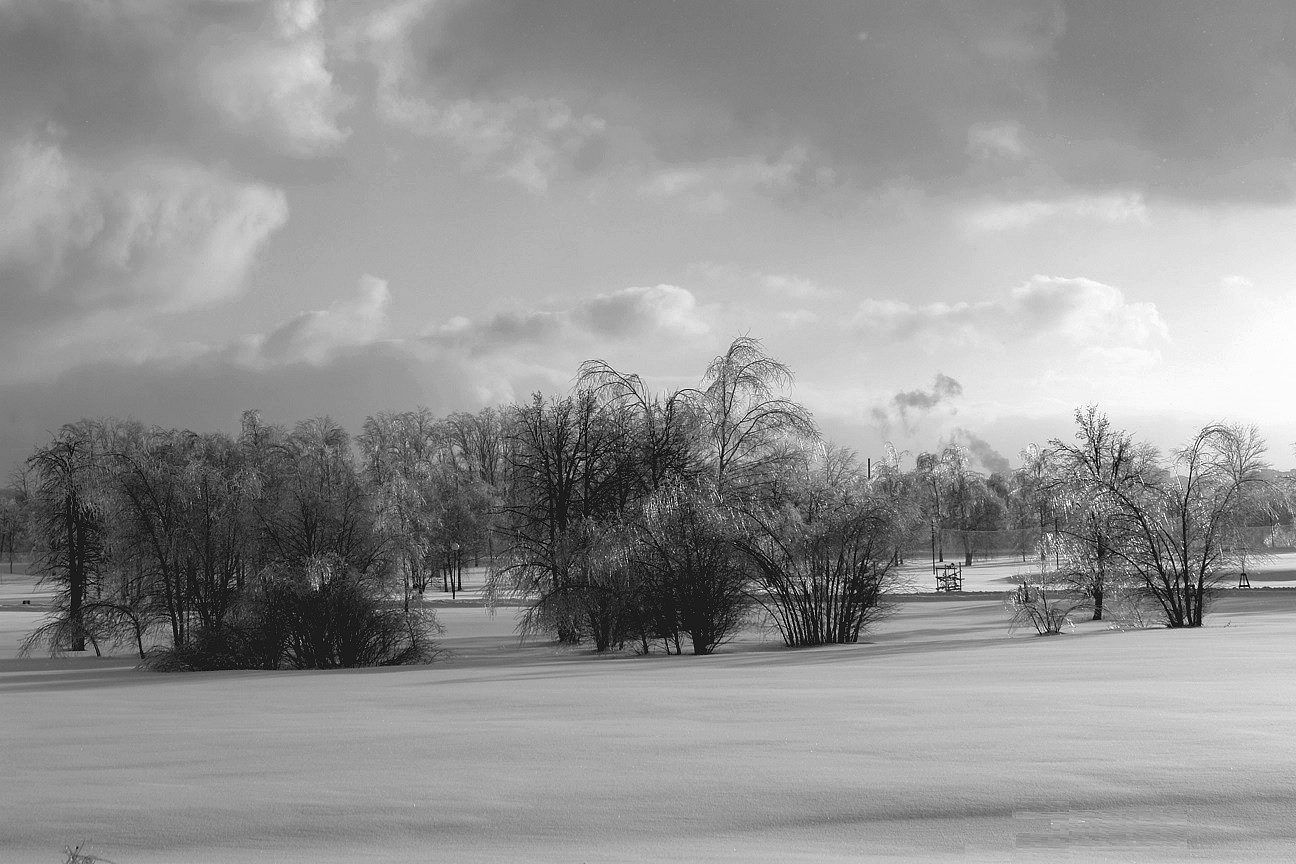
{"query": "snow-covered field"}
pixel 940 739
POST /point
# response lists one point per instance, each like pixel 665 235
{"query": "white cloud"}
pixel 792 287
pixel 713 186
pixel 160 234
pixel 996 140
pixel 1087 316
pixel 784 286
pixel 315 337
pixel 274 83
pixel 1085 312
pixel 665 309
pixel 1116 208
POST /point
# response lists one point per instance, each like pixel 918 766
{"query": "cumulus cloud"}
pixel 659 310
pixel 274 82
pixel 132 137
pixel 316 337
pixel 79 236
pixel 1081 313
pixel 662 308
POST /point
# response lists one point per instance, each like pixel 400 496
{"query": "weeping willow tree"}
pixel 746 425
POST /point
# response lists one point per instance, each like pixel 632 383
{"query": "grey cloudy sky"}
pixel 349 207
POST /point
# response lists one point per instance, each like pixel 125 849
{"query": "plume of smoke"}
pixel 982 452
pixel 911 406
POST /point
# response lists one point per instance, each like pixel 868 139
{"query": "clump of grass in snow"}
pixel 1032 605
pixel 76 856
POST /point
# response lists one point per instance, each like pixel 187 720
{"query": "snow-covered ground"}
pixel 941 738
pixel 1001 574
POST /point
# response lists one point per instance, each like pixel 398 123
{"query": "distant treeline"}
pixel 624 517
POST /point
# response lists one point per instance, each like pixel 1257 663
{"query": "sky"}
pixel 955 221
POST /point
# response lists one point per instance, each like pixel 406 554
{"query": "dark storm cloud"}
pixel 1179 99
pixel 211 394
pixel 879 89
pixel 238 80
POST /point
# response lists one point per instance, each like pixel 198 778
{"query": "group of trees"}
pixel 258 551
pixel 621 516
pixel 665 519
pixel 1162 530
pixel 1107 517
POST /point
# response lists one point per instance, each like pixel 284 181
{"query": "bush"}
pixel 822 581
pixel 1041 605
pixel 324 618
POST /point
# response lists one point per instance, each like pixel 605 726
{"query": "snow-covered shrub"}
pixel 1039 604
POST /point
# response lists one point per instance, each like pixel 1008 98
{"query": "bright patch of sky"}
pixel 342 208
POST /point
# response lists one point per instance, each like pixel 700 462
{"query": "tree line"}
pixel 622 517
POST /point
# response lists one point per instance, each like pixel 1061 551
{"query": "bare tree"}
pixel 744 421
pixel 665 427
pixel 13 523
pixel 68 499
pixel 182 528
pixel 1172 525
pixel 568 471
pixel 1090 542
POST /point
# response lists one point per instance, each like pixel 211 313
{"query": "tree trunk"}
pixel 76 574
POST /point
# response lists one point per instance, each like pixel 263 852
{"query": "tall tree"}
pixel 745 424
pixel 13 523
pixel 665 428
pixel 400 459
pixel 1093 537
pixel 569 468
pixel 68 501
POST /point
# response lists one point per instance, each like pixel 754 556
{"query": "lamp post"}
pixel 933 545
pixel 455 584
